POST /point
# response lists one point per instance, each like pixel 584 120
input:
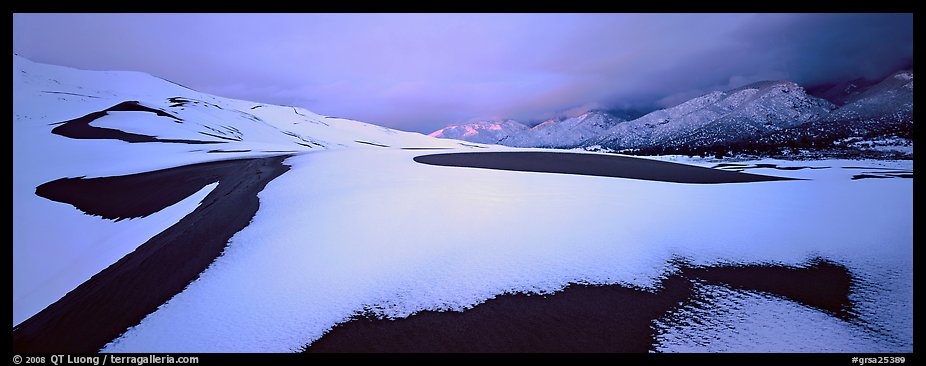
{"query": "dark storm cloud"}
pixel 807 49
pixel 423 71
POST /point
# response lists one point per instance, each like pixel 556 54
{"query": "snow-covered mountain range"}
pixel 771 113
pixel 874 120
pixel 750 110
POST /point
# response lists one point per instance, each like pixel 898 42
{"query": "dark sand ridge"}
pixel 880 172
pixel 881 176
pixel 471 145
pixel 370 143
pixel 583 318
pixel 121 295
pixel 135 195
pixel 80 128
pixel 592 164
pixel 741 167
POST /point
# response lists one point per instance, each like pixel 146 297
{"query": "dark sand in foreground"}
pixel 615 166
pixel 582 318
pixel 121 295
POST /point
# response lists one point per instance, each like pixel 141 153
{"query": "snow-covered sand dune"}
pixel 356 225
pixel 144 109
pixel 350 230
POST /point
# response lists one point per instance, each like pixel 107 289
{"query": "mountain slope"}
pixel 714 118
pixel 488 132
pixel 750 110
pixel 888 102
pixel 880 118
pixel 565 133
pixel 842 92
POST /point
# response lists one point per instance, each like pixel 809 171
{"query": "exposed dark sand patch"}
pixel 134 195
pixel 182 102
pixel 741 167
pixel 427 148
pixel 300 138
pixel 899 171
pixel 880 172
pixel 477 146
pixel 879 175
pixel 221 137
pixel 581 318
pixel 868 168
pixel 297 112
pixel 592 164
pixel 66 93
pixel 228 151
pixel 179 101
pixel 234 134
pixel 80 128
pixel 822 285
pixel 728 165
pixel 370 143
pixel 121 295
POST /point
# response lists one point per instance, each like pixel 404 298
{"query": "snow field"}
pixel 350 230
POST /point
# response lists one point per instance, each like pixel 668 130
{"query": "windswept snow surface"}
pixel 349 230
pixel 728 320
pixel 357 225
pixel 55 246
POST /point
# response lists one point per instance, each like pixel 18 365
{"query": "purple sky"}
pixel 420 72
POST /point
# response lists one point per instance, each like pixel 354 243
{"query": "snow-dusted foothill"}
pixel 750 110
pixel 487 132
pixel 568 132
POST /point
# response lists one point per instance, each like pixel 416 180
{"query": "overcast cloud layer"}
pixel 420 72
